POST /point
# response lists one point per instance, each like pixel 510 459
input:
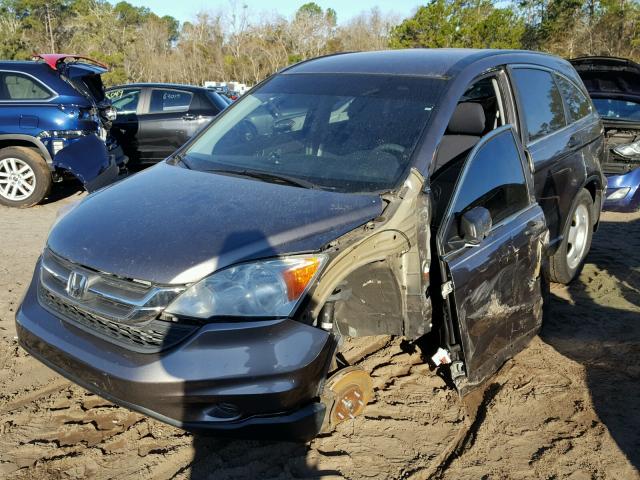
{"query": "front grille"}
pixel 121 311
pixel 156 335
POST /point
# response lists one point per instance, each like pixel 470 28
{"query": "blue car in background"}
pixel 54 122
pixel 614 87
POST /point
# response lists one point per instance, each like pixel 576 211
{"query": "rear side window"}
pixel 167 101
pixel 15 86
pixel 540 101
pixel 578 106
pixel 124 100
pixel 494 179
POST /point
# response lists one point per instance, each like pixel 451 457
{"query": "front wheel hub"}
pixel 346 394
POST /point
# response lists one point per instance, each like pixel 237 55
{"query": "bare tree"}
pixel 366 31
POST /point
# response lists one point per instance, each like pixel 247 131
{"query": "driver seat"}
pixel 465 129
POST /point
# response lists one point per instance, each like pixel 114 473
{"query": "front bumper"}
pixel 631 201
pixel 270 372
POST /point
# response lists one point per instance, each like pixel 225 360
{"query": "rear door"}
pixel 555 146
pixel 494 293
pixel 127 103
pixel 165 123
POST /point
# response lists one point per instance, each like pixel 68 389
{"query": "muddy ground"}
pixel 568 406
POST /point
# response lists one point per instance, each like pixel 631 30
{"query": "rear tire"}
pixel 567 262
pixel 25 178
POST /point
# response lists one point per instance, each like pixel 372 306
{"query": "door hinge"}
pixel 447 288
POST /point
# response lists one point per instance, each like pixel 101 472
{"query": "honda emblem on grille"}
pixel 77 284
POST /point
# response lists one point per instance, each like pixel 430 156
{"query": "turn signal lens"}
pixel 298 277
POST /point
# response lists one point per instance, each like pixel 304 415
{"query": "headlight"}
pixel 618 193
pixel 630 150
pixel 269 288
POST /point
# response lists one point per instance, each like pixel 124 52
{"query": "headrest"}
pixel 468 119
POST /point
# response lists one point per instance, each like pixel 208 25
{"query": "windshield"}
pixel 618 109
pixel 350 133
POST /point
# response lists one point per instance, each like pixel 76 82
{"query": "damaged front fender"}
pixel 88 160
pixel 377 280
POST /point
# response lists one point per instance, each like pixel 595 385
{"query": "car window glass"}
pixel 351 132
pixel 166 101
pixel 578 106
pixel 21 87
pixel 617 109
pixel 479 90
pixel 494 179
pixel 540 101
pixel 124 100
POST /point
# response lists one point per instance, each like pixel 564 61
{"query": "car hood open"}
pixel 609 77
pixel 171 225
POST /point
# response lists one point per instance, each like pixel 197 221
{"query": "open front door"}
pixel 490 243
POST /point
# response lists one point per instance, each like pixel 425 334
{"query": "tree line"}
pixel 235 43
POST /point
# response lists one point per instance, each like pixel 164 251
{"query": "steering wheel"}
pixel 393 148
pixel 247 131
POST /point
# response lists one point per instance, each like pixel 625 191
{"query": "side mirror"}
pixel 475 225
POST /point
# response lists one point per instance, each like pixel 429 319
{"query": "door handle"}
pixel 188 116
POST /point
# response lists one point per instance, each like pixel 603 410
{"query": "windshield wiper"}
pixel 267 177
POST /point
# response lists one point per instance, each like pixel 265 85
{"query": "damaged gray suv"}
pixel 398 193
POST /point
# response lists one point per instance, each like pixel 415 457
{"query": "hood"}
pixel 609 77
pixel 171 225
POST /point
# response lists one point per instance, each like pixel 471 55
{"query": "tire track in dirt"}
pixel 70 433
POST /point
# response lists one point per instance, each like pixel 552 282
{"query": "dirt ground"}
pixel 568 406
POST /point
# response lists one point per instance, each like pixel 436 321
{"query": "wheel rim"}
pixel 17 179
pixel 578 234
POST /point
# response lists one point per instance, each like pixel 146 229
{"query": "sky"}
pixel 185 10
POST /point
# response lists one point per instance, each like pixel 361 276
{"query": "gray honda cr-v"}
pixel 396 192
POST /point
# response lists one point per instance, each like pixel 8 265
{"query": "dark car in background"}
pixel 224 92
pixel 404 192
pixel 614 86
pixel 155 119
pixel 54 121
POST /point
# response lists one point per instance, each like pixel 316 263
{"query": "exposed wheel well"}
pixel 591 187
pixel 17 143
